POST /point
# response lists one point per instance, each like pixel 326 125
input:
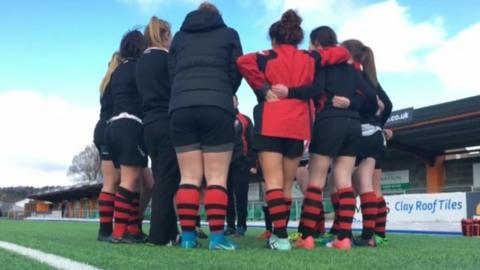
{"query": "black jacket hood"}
pixel 202 21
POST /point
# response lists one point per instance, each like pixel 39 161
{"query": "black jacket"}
pixel 202 63
pixel 106 103
pixel 154 84
pixel 338 80
pixel 372 118
pixel 124 89
pixel 243 149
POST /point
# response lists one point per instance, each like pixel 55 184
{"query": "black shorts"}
pixel 290 148
pixel 207 128
pixel 99 139
pixel 336 137
pixel 371 147
pixel 126 144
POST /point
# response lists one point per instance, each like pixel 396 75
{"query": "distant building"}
pixel 435 148
pixel 77 201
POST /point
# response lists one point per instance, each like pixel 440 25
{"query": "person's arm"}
pixel 251 157
pixel 333 55
pixel 323 57
pixel 388 105
pixel 249 68
pixel 365 97
pixel 313 90
pixel 235 75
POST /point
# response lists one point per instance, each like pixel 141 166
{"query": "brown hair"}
pixel 207 6
pixel 112 65
pixel 364 55
pixel 288 30
pixel 157 32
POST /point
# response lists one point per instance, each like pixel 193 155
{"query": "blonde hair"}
pixel 156 32
pixel 112 65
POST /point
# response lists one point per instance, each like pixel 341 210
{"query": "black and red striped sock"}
pixel 106 203
pixel 278 211
pixel 288 201
pixel 216 201
pixel 123 201
pixel 335 226
pixel 381 220
pixel 346 211
pixel 134 217
pixel 320 227
pixel 268 219
pixel 368 204
pixel 187 200
pixel 311 210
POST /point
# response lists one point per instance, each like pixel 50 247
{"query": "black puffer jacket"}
pixel 202 63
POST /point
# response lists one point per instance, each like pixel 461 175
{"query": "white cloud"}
pixel 152 6
pixel 40 135
pixel 456 62
pixel 402 45
pixel 387 27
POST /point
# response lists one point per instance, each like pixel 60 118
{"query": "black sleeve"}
pixel 368 101
pixel 252 154
pixel 313 90
pixel 388 105
pixel 235 75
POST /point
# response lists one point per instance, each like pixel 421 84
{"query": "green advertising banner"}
pixel 396 181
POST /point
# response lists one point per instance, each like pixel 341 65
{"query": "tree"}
pixel 85 165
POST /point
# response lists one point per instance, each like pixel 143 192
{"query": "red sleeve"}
pixel 333 55
pixel 248 66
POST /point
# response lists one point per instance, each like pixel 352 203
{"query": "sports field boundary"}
pixel 428 228
pixel 52 260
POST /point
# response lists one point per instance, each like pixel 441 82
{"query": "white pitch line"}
pixel 55 261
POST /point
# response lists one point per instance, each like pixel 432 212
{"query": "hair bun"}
pixel 291 18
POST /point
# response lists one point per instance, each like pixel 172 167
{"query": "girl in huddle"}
pixel 282 123
pixel 372 149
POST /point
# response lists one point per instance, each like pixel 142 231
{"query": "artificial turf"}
pixel 10 260
pixel 77 241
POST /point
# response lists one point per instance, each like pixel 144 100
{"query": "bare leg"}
pixel 191 167
pixel 216 167
pixel 289 170
pixel 342 172
pixel 272 164
pixel 111 177
pixel 377 185
pixel 364 173
pixel 318 170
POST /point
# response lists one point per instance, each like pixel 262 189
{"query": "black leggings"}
pixel 237 186
pixel 165 170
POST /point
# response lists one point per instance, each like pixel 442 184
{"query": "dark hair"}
pixel 288 30
pixel 324 36
pixel 207 6
pixel 364 55
pixel 132 45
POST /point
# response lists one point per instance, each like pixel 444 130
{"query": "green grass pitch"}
pixel 77 241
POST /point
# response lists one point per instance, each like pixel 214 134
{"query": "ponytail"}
pixel 368 62
pixel 156 32
pixel 112 65
pixel 363 55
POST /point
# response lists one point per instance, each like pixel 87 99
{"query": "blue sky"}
pixel 54 53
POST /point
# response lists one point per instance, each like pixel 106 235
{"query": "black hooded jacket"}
pixel 202 63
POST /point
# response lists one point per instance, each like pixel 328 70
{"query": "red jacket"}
pixel 287 65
